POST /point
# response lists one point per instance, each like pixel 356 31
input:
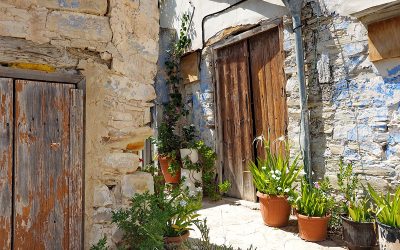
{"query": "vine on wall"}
pixel 170 139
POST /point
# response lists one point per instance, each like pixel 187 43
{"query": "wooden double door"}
pixel 41 143
pixel 251 101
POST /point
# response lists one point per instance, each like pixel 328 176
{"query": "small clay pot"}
pixel 313 228
pixel 176 240
pixel 275 210
pixel 164 164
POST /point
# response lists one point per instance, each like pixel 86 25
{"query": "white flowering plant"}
pixel 182 208
pixel 275 174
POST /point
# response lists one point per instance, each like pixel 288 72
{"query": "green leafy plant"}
pixel 188 164
pixel 144 222
pixel 314 201
pixel 347 182
pixel 151 217
pixel 388 207
pixel 189 136
pixel 224 187
pixel 360 211
pixel 275 174
pixel 209 177
pixel 100 245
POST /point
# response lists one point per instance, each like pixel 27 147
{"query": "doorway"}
pixel 251 99
pixel 41 165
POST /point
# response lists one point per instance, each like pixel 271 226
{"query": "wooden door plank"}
pixel 268 86
pixel 246 128
pixel 76 171
pixel 234 136
pixel 41 165
pixel 218 128
pixel 275 85
pixel 227 137
pixel 6 161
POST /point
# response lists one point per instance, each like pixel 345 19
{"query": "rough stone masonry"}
pixel 353 102
pixel 114 44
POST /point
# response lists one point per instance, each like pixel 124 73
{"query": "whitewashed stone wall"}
pixel 114 44
pixel 353 102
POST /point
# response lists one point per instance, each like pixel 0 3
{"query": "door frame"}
pixel 262 27
pixel 62 78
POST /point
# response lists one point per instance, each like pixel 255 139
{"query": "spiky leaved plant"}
pixel 275 173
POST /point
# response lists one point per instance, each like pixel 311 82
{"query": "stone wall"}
pixel 353 103
pixel 114 44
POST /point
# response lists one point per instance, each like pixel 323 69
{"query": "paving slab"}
pixel 239 224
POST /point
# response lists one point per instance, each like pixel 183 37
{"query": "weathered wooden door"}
pixel 41 128
pixel 251 101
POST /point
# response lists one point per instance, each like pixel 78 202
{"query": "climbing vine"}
pixel 169 141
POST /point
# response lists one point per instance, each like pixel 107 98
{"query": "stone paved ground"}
pixel 238 223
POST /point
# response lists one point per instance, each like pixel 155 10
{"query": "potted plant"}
pixel 168 143
pixel 182 209
pixel 313 210
pixel 387 218
pixel 358 226
pixel 357 220
pixel 273 177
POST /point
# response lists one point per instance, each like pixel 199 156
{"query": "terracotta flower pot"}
pixel 275 210
pixel 313 228
pixel 169 178
pixel 176 240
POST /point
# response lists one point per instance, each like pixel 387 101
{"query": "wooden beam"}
pixel 24 74
pixel 264 26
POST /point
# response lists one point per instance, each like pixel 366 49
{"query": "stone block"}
pixel 139 182
pixel 122 162
pixel 102 215
pixel 97 232
pixel 119 139
pixel 378 170
pixel 13 22
pixel 79 26
pixel 98 7
pixel 125 88
pixel 324 74
pixel 117 236
pixel 102 196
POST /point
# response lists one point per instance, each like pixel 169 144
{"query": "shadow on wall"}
pixel 168 11
pixel 249 12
